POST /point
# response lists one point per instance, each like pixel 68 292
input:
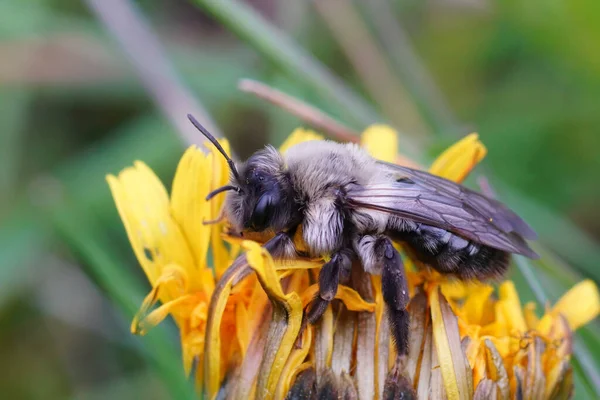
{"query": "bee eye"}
pixel 262 211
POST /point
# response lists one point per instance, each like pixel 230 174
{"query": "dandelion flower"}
pixel 243 317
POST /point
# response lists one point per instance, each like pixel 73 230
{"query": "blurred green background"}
pixel 73 107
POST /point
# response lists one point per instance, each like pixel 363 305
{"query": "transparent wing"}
pixel 429 199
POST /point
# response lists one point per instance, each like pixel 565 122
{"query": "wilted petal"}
pixel 458 160
pixel 535 379
pixel 554 377
pixel 285 324
pixel 418 320
pixel 365 341
pixel 218 302
pixel 346 387
pixel 436 382
pixel 496 370
pixel 563 386
pixel 381 142
pixel 248 371
pixel 487 389
pixel 323 344
pixel 426 364
pixel 294 363
pixel 454 367
pixel 343 341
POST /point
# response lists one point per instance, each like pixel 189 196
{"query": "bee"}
pixel 353 207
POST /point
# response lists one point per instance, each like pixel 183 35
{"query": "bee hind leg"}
pixel 395 293
pixel 329 278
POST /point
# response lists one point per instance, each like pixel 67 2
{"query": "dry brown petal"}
pixel 564 389
pixel 343 341
pixel 486 390
pixel 519 381
pixel 424 372
pixel 323 347
pixel 365 344
pixel 418 317
pixel 496 370
pixel 248 372
pixel 436 383
pixel 535 381
pixel 382 352
pixel 346 387
pixel 555 377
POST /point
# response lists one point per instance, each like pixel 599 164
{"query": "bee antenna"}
pixel 222 189
pixel 212 139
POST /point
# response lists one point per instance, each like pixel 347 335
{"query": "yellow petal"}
pixel 349 296
pixel 143 205
pixel 298 136
pixel 173 280
pixel 511 307
pixel 294 364
pixel 579 305
pixel 188 205
pixel 476 305
pixel 285 324
pixel 459 159
pixel 531 318
pixel 381 142
pixel 212 346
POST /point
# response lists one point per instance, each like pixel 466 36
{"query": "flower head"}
pixel 242 318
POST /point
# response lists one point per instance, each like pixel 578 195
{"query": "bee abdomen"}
pixel 450 253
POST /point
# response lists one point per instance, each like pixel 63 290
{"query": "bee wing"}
pixel 432 200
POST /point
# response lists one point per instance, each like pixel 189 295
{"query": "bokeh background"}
pixel 81 97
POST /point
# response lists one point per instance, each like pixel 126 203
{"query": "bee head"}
pixel 260 194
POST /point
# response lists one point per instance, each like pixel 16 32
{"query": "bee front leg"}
pixel 329 279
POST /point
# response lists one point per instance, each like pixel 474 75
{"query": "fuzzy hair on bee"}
pixel 353 207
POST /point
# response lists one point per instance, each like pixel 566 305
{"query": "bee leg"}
pixel 329 279
pixel 395 293
pixel 281 246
